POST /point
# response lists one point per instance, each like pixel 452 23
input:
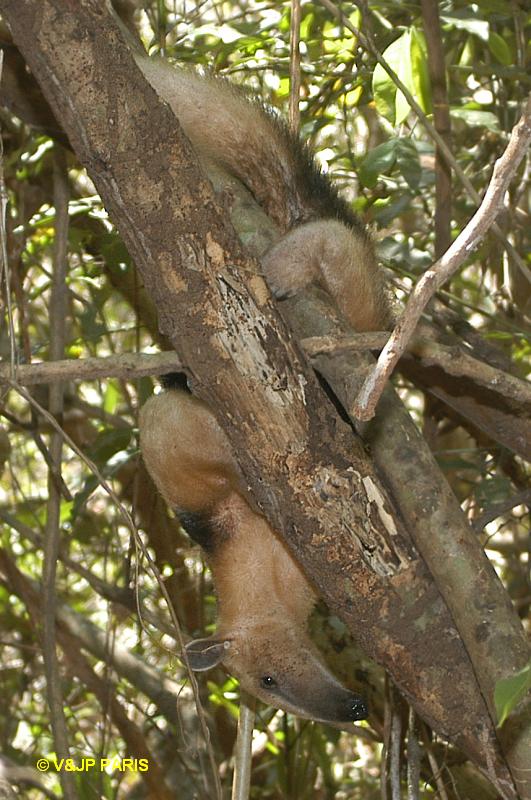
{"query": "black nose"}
pixel 356 709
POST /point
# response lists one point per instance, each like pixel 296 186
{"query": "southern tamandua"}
pixel 264 599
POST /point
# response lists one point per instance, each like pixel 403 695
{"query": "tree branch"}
pixel 431 24
pixel 58 310
pixel 127 365
pixel 444 268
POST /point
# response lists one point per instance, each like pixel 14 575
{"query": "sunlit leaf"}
pixel 509 692
pixel 500 49
pixel 476 118
pixel 468 21
pixel 406 56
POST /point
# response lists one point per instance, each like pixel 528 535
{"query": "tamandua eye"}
pixel 268 682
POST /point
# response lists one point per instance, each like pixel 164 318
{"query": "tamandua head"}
pixel 281 667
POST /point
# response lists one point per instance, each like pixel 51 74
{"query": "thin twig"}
pixel 141 549
pixel 431 24
pixel 133 735
pixel 395 746
pixel 58 307
pixel 241 782
pixel 444 268
pixel 434 766
pixel 4 261
pixel 294 67
pixel 108 591
pixel 499 509
pixel 453 360
pixel 413 757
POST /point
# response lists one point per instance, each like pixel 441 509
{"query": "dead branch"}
pixel 127 365
pixel 444 268
pixel 294 67
pixel 453 360
pixel 58 307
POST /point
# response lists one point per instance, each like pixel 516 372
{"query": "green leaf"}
pixel 407 159
pixel 91 325
pixel 509 692
pixel 401 152
pixel 407 57
pixel 383 88
pixel 500 49
pixel 111 397
pixel 378 161
pixel 386 212
pixel 466 21
pixel 306 25
pixel 492 490
pixel 108 443
pixel 475 118
pixel 80 498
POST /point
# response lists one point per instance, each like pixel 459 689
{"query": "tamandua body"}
pixel 323 241
pixel 264 599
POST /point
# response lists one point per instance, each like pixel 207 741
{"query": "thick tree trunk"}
pixel 320 489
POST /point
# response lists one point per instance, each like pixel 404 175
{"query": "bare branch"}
pixel 444 268
pixel 431 24
pixel 294 67
pixel 454 361
pixel 242 751
pixel 4 263
pixel 128 366
pixel 53 512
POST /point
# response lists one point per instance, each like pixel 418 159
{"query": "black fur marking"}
pixel 317 192
pixel 316 188
pixel 175 380
pixel 313 193
pixel 199 528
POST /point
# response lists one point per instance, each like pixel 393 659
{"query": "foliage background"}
pixel 367 138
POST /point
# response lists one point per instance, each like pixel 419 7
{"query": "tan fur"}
pixel 224 128
pixel 260 553
pixel 190 460
pixel 186 452
pixel 264 598
pixel 343 264
pixel 227 129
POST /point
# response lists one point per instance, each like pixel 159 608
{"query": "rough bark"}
pixel 321 490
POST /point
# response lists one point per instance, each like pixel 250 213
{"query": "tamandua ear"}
pixel 204 654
